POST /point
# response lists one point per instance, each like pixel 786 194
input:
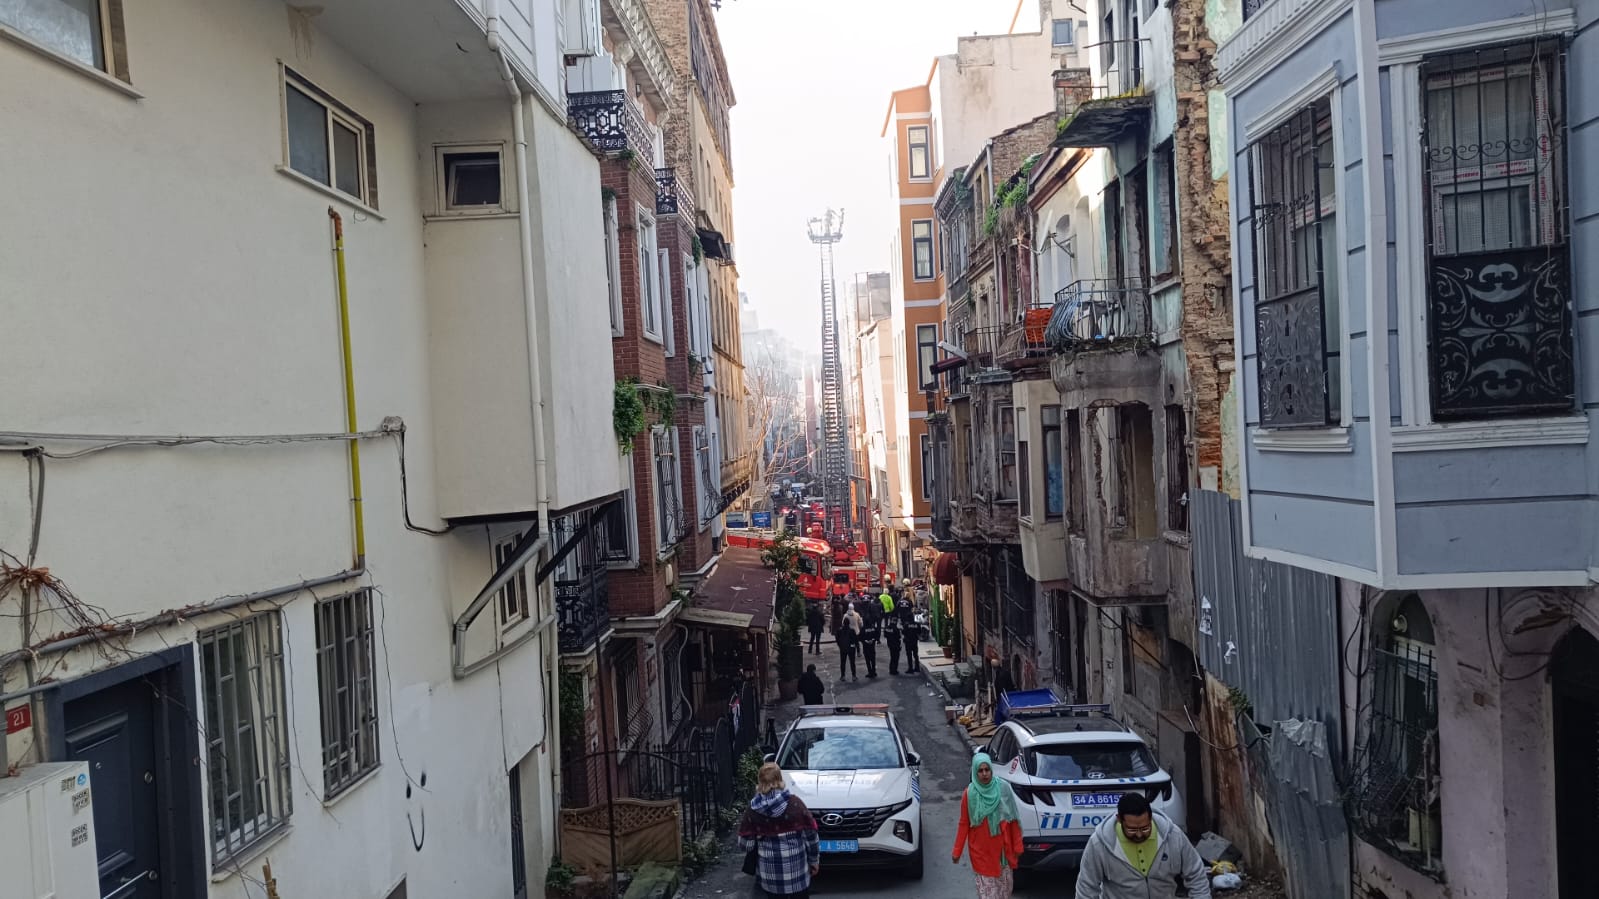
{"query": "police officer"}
pixel 891 633
pixel 870 634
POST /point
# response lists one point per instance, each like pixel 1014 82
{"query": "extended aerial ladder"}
pixel 825 231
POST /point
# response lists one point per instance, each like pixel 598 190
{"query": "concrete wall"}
pixel 196 296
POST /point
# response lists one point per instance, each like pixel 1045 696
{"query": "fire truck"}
pixel 815 565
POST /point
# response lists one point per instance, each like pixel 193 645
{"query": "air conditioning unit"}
pixel 581 22
pixel 47 817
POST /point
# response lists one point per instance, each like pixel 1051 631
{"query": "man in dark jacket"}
pixel 891 633
pixel 907 622
pixel 870 634
pixel 814 623
pixel 811 688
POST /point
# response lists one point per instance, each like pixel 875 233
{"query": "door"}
pixel 1576 700
pixel 518 845
pixel 114 730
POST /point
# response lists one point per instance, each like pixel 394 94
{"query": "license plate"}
pixel 1095 800
pixel 840 845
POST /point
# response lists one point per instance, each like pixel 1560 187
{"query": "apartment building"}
pixel 869 303
pixel 1418 327
pixel 307 401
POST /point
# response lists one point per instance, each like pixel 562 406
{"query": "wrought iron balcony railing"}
pixel 1023 339
pixel 582 595
pixel 980 343
pixel 609 121
pixel 1099 313
pixel 672 196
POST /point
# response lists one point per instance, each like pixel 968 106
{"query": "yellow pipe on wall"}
pixel 349 391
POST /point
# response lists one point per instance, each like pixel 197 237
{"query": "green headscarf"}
pixel 994 802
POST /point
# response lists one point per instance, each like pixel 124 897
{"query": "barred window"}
pixel 513 596
pixel 1396 796
pixel 344 671
pixel 247 739
pixel 1293 200
pixel 668 498
pixel 1499 316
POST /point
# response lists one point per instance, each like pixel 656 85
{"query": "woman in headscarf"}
pixel 989 830
pixel 781 831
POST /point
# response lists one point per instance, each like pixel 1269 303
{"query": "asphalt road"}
pixel 946 769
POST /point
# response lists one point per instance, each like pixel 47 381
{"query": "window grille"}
pixel 345 677
pixel 1293 201
pixel 1395 797
pixel 1498 307
pixel 513 597
pixel 247 741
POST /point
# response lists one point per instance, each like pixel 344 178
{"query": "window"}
pixel 513 597
pixel 613 265
pixel 664 266
pixel 1498 306
pixel 1054 472
pixel 927 467
pixel 632 716
pixel 926 355
pixel 326 141
pixel 649 285
pixel 1060 34
pixel 1076 501
pixel 246 732
pixel 1024 476
pixel 344 672
pixel 668 501
pixel 471 180
pixel 620 531
pixel 84 31
pixel 971 460
pixel 672 678
pixel 921 153
pixel 710 486
pixel 1297 323
pixel 922 248
pixel 1164 252
pixel 1126 439
pixel 1107 36
pixel 1176 468
pixel 1397 805
pixel 1007 452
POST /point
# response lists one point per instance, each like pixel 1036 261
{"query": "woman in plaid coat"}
pixel 779 827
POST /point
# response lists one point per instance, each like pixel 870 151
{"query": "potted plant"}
pixel 790 654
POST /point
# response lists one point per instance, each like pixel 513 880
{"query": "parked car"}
pixel 860 777
pixel 1069 765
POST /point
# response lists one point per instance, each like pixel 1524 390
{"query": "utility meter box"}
pixel 47 819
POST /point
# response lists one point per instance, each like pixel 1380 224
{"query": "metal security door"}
pixel 114 731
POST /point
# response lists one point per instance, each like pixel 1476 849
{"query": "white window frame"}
pixel 926 378
pixel 512 604
pixel 1336 438
pixel 666 531
pixel 1054 33
pixel 663 265
pixel 1417 431
pixel 932 251
pixel 270 749
pixel 441 181
pixel 647 250
pixel 346 663
pixel 926 449
pixel 629 501
pixel 613 265
pixel 705 475
pixel 337 115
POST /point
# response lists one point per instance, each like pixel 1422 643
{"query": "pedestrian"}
pixel 810 687
pixel 912 633
pixel 848 635
pixel 1140 853
pixel 813 621
pixel 891 630
pixel 836 613
pixel 871 632
pixel 781 832
pixel 990 831
pixel 886 600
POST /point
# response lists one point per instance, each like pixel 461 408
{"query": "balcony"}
pixel 1100 314
pixel 1117 570
pixel 672 196
pixel 1022 344
pixel 1112 113
pixel 582 595
pixel 980 344
pixel 610 122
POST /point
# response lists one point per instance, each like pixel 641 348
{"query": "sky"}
pixel 812 80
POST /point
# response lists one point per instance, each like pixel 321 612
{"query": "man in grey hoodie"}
pixel 1140 854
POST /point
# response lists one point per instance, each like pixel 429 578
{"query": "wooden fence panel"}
pixel 646 831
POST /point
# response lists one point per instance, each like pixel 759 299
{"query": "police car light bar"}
pixel 1081 710
pixel 870 708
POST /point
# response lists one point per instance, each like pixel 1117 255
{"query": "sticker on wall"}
pixel 1204 616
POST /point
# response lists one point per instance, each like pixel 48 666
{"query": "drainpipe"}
pixel 548 647
pixel 356 511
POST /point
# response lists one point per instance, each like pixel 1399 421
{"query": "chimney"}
pixel 1073 88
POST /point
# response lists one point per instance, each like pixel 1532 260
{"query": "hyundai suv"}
pixel 1069 765
pixel 859 776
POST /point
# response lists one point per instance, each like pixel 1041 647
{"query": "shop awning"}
pixel 717 618
pixel 947 569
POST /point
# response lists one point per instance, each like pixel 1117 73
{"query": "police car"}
pixel 859 776
pixel 1069 765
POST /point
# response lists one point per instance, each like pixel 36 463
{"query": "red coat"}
pixel 985 848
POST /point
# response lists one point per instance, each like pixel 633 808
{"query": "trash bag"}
pixel 1226 882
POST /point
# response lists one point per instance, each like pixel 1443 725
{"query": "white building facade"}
pixel 307 386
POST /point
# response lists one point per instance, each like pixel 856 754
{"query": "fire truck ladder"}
pixel 826 231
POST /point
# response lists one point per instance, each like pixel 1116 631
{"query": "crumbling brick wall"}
pixel 1202 210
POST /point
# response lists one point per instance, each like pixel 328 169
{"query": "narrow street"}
pixel 919 708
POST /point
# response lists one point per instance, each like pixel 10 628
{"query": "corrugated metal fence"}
pixel 1271 631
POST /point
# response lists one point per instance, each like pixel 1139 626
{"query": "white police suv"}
pixel 1069 765
pixel 859 776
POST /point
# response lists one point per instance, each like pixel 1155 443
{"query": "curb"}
pixel 971 748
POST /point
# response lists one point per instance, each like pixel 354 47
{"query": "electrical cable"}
pixel 405 491
pixel 105 442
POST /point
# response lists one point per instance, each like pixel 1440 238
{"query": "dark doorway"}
pixel 1575 682
pixel 518 847
pixel 136 727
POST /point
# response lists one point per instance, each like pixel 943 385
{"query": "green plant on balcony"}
pixel 607 194
pixel 699 250
pixel 662 401
pixel 573 707
pixel 628 414
pixel 696 365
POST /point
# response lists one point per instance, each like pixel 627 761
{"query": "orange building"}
pixel 910 130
